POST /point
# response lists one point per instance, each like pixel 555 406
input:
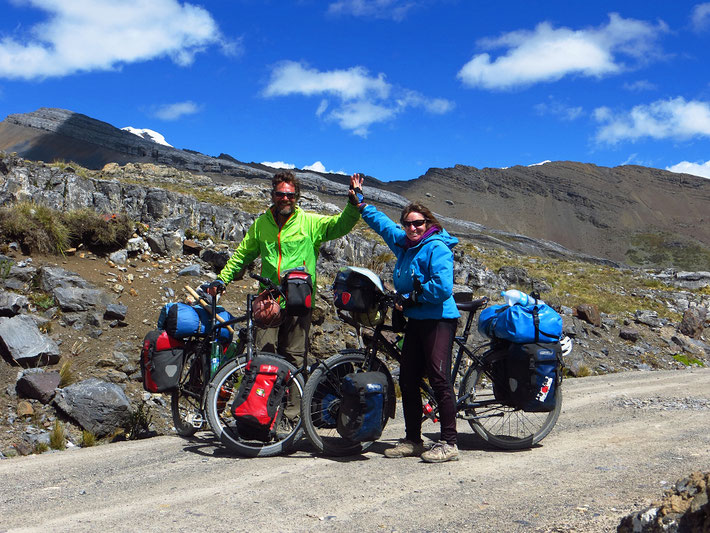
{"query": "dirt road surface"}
pixel 620 441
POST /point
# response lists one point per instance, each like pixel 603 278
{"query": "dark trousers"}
pixel 427 352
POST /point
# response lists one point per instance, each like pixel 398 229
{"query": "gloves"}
pixel 406 300
pixel 213 288
pixel 356 196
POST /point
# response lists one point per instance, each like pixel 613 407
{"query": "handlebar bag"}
pixel 298 287
pixel 354 292
pixel 259 403
pixel 533 375
pixel 521 324
pixel 362 412
pixel 161 361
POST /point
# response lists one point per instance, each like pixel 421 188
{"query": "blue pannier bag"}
pixel 532 376
pixel 521 324
pixel 181 320
pixel 362 413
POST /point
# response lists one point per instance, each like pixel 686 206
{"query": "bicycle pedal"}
pixel 196 421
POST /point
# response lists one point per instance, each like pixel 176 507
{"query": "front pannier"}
pixel 362 412
pixel 161 361
pixel 258 405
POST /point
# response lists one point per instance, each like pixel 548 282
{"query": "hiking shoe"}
pixel 441 452
pixel 405 448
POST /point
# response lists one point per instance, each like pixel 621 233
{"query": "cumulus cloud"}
pixel 700 17
pixel 548 54
pixel 176 110
pixel 359 98
pixel 86 35
pixel 674 118
pixel 380 9
pixel 697 169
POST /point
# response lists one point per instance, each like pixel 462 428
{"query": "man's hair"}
pixel 416 207
pixel 286 177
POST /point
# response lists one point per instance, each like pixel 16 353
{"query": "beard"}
pixel 286 210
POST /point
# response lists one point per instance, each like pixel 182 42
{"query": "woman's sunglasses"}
pixel 289 195
pixel 416 223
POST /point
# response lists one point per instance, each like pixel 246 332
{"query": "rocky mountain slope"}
pixel 627 214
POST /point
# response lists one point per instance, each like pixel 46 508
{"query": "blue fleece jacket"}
pixel 430 260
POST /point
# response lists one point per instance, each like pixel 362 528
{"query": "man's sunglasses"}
pixel 416 223
pixel 289 195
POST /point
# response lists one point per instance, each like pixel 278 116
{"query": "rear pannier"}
pixel 161 361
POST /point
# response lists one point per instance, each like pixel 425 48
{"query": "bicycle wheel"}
pixel 186 400
pixel 503 426
pixel 321 403
pixel 221 392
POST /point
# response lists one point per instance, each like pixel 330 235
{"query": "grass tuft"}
pixel 57 437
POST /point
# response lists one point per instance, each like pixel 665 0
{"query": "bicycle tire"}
pixel 321 402
pixel 503 426
pixel 186 400
pixel 223 424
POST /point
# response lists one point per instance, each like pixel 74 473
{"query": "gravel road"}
pixel 620 441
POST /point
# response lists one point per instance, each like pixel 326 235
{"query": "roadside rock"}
pixel 24 343
pixel 38 385
pixel 96 405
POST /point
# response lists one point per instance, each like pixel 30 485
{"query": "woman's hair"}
pixel 416 207
pixel 286 177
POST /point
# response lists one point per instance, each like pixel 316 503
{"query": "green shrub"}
pixel 57 437
pixel 687 360
pixel 40 447
pixel 35 227
pixel 98 231
pixel 138 423
pixel 88 439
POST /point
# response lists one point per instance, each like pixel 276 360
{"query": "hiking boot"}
pixel 405 448
pixel 441 452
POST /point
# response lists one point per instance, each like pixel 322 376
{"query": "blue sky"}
pixel 389 88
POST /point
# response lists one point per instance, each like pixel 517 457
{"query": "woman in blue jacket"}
pixel 424 275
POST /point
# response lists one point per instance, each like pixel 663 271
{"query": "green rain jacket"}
pixel 296 244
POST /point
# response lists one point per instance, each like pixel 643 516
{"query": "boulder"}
pixel 12 304
pixel 589 313
pixel 38 385
pixel 693 322
pixel 96 405
pixel 79 299
pixel 21 340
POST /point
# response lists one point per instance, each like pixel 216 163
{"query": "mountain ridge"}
pixel 627 214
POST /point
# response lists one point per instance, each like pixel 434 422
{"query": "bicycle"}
pixel 211 377
pixel 501 425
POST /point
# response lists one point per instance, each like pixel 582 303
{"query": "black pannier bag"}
pixel 362 412
pixel 161 361
pixel 259 403
pixel 352 291
pixel 533 374
pixel 298 287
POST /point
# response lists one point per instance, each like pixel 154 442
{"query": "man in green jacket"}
pixel 286 237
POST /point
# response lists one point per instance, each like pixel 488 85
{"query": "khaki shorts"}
pixel 290 339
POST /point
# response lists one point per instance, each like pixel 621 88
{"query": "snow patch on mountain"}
pixel 148 135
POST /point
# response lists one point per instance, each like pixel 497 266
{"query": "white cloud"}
pixel 176 110
pixel 697 169
pixel 700 17
pixel 673 118
pixel 85 35
pixel 548 54
pixel 278 164
pixel 560 109
pixel 639 85
pixel 320 167
pixel 361 99
pixel 380 9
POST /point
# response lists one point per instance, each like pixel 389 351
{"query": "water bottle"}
pixel 215 358
pixel 514 296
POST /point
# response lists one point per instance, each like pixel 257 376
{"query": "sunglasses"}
pixel 289 195
pixel 416 223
